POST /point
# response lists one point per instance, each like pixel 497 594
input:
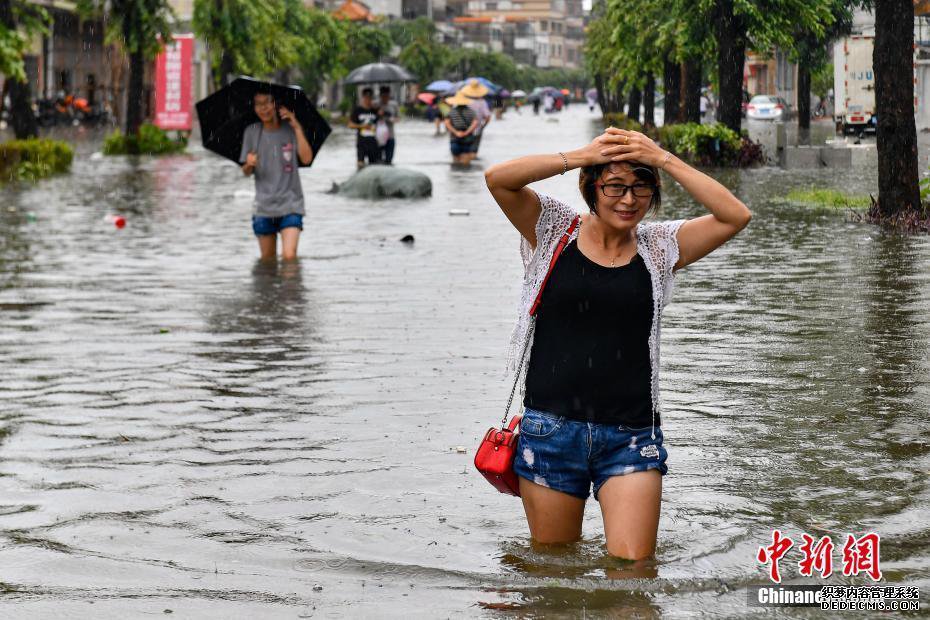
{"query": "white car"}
pixel 767 108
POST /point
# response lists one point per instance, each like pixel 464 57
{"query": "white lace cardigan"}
pixel 657 244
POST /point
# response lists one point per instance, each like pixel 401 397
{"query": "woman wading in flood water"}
pixel 591 405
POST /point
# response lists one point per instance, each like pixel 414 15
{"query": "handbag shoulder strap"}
pixel 555 257
pixel 526 345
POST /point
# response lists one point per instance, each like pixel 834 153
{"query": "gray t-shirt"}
pixel 277 184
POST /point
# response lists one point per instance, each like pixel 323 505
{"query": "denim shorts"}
pixel 460 146
pixel 262 225
pixel 569 455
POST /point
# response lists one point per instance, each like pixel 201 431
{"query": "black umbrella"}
pixel 379 72
pixel 225 114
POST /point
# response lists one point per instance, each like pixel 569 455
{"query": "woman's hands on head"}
pixel 590 154
pixel 625 145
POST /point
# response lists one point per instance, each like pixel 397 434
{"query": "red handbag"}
pixel 497 450
pixel 494 458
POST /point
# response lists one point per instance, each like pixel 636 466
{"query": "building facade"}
pixel 772 74
pixel 541 33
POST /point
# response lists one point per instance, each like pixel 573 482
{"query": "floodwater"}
pixel 185 429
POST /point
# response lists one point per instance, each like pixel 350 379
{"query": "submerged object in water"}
pixel 379 181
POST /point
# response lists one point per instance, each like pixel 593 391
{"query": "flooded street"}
pixel 183 428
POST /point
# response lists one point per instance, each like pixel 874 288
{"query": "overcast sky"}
pixel 586 5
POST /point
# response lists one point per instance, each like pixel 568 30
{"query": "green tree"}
pixel 308 39
pixel 598 56
pixel 271 37
pixel 142 27
pixel 639 36
pixel 470 62
pixel 366 44
pixel 426 59
pixel 631 41
pixel 756 24
pixel 240 35
pixel 321 50
pixel 403 32
pixel 810 52
pixel 18 21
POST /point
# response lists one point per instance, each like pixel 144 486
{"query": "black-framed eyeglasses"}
pixel 618 190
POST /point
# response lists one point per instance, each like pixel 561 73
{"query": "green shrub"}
pixel 325 114
pixel 150 141
pixel 710 145
pixel 695 140
pixel 33 159
pixel 621 121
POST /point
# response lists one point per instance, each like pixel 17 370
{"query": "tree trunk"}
pixel 636 98
pixel 896 138
pixel 22 118
pixel 619 99
pixel 691 83
pixel 672 83
pixel 682 93
pixel 731 57
pixel 135 94
pixel 226 69
pixel 649 101
pixel 804 96
pixel 804 102
pixel 601 99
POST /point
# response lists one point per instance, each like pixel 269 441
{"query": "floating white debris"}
pixel 96 156
pixel 244 193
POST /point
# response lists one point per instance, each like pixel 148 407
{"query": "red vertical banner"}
pixel 173 83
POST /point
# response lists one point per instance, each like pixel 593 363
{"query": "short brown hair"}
pixel 644 172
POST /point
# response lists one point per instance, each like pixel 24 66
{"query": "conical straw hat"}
pixel 474 89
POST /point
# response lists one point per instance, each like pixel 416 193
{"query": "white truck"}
pixel 854 84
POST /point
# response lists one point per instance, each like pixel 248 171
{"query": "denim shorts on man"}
pixel 460 146
pixel 262 225
pixel 569 455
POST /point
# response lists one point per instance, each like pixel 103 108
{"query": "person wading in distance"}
pixel 270 150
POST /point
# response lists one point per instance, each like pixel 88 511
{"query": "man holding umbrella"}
pixel 364 120
pixel 271 149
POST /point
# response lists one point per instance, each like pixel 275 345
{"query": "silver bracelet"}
pixel 564 162
pixel 668 156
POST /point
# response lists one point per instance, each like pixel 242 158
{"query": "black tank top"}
pixel 590 356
